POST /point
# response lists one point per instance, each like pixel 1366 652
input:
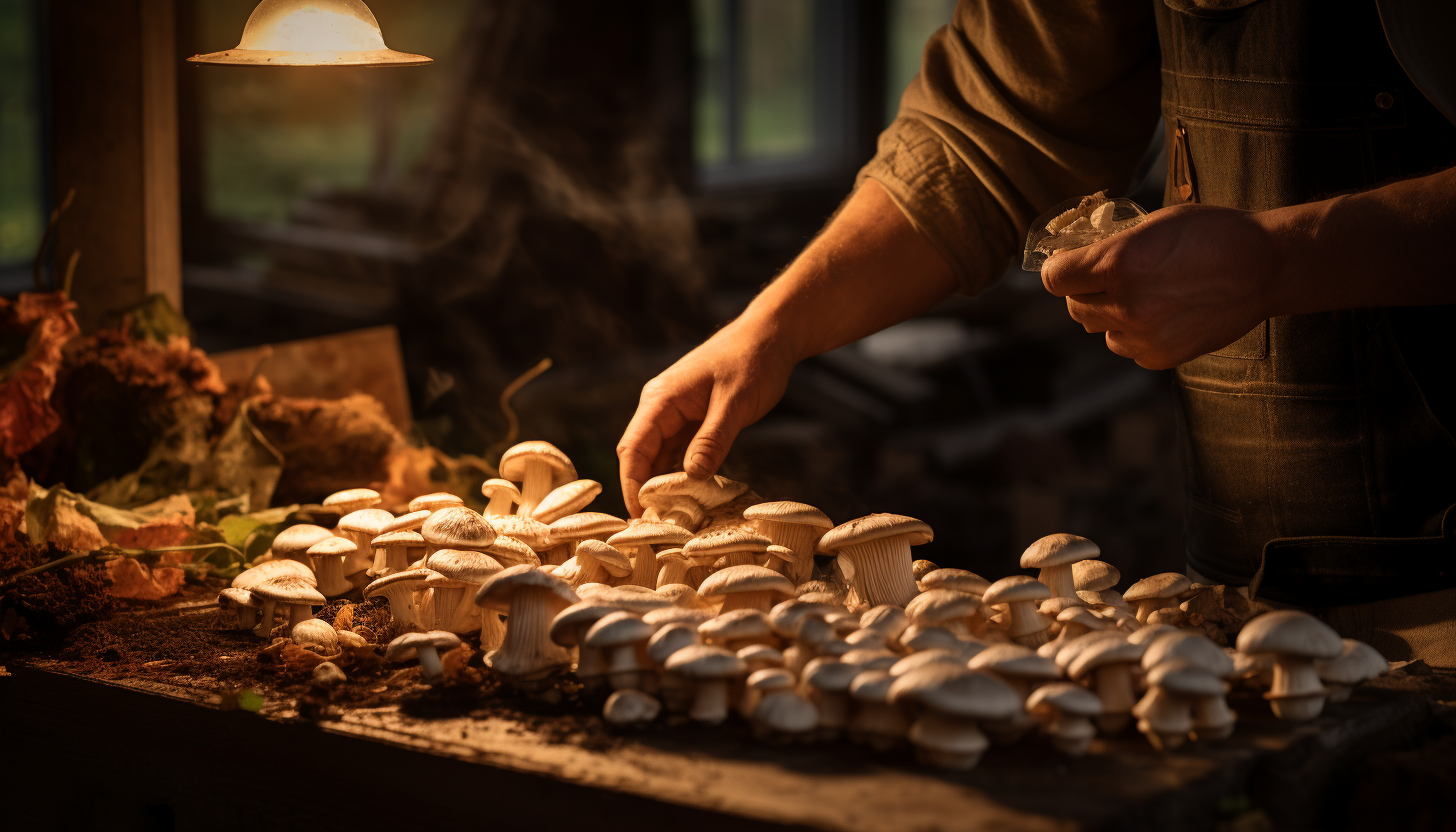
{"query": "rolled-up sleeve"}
pixel 1019 104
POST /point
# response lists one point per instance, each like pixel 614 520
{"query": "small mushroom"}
pixel 501 496
pixel 435 501
pixel 682 595
pixel 242 602
pixel 638 540
pixel 565 500
pixel 427 647
pixel 685 501
pixel 760 657
pixel 411 521
pixel 1156 592
pixel 728 546
pixel 876 722
pixel 782 717
pixel 352 499
pixel 737 629
pixel 328 557
pixel 399 588
pixel 315 636
pixel 1020 593
pixel 454 603
pixel 826 682
pixel 746 587
pixel 958 580
pixel 589 525
pixel 1297 640
pixel 599 563
pixel 1065 711
pixel 456 527
pixel 672 567
pixel 267 570
pixel 1074 622
pixel 878 546
pixel 761 682
pixel 297 594
pixel 395 551
pixel 292 543
pixel 361 527
pixel 622 636
pixel 531 599
pixel 921 568
pixel 568 629
pixel 1055 555
pixel 1358 662
pixel 711 668
pixel 1165 713
pixel 328 674
pixel 676 691
pixel 1021 669
pixel 958 612
pixel 630 707
pixel 794 526
pixel 1109 663
pixel 660 618
pixel 950 703
pixel 539 467
pixel 1095 576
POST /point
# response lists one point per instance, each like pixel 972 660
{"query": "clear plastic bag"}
pixel 1080 221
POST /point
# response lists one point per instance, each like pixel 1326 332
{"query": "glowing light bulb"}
pixel 311 33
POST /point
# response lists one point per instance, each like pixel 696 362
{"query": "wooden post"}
pixel 115 85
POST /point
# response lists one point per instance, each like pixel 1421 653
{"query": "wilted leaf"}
pixel 43 323
pixel 130 578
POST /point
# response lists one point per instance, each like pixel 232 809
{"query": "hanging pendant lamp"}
pixel 311 33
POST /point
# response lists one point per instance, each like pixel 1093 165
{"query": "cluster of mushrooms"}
pixel 707 605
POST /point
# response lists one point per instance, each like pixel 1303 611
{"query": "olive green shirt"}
pixel 1019 105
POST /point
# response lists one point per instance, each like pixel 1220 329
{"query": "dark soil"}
pixel 37 610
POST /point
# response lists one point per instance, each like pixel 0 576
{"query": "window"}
pixel 22 162
pixel 912 22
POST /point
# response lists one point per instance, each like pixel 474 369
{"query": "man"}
pixel 1296 281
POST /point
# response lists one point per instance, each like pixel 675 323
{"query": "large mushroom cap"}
pixel 617 564
pixel 352 499
pixel 1188 646
pixel 512 552
pixel 405 522
pixel 513 462
pixel 876 527
pixel 738 624
pixel 332 546
pixel 498 590
pixel 269 569
pixel 1015 588
pixel 435 501
pixel 646 533
pixel 955 691
pixel 726 540
pixel 464 565
pixel 457 527
pixel 1161 585
pixel 1014 660
pixel 934 655
pixel 236 597
pixel 1094 575
pixel 531 532
pixel 1184 677
pixel 788 616
pixel 638 599
pixel 886 619
pixel 565 500
pixel 747 578
pixel 295 540
pixel 935 606
pixel 407 646
pixel 366 521
pixel 704 661
pixel 957 579
pixel 1356 663
pixel 1067 697
pixel 617 628
pixel 1057 550
pixel 289 589
pixel 586 524
pixel 661 491
pixel 1290 633
pixel 785 511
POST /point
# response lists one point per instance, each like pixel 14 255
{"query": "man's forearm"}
pixel 1383 247
pixel 867 270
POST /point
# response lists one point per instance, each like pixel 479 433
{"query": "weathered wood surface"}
pixel 140 750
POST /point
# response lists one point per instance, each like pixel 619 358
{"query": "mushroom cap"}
pixel 457 527
pixel 435 501
pixel 919 638
pixel 407 577
pixel 1014 660
pixel 867 640
pixel 704 661
pixel 1148 633
pixel 498 590
pixel 617 564
pixel 437 581
pixel 407 646
pixel 726 540
pixel 531 532
pixel 1015 588
pixel 1356 663
pixel 586 524
pixel 785 511
pixel 667 616
pixel 1079 615
pixel 1185 677
pixel 571 624
pixel 1067 697
pixel 935 606
pixel 401 539
pixel 787 616
pixel 565 500
pixel 923 657
pixel 638 599
pixel 661 491
pixel 747 578
pixel 1289 633
pixel 786 712
pixel 667 556
pixel 1104 652
pixel 737 624
pixel 762 653
pixel 956 579
pixel 872 686
pixel 465 565
pixel 295 540
pixel 236 597
pixel 830 674
pixel 1161 585
pixel 1188 646
pixel 647 533
pixel 332 546
pixel 1058 550
pixel 682 595
pixel 921 567
pixel 1068 652
pixel 770 679
pixel 316 635
pixel 625 707
pixel 269 569
pixel 669 640
pixel 1057 604
pixel 782 553
pixel 512 552
pixel 871 658
pixel 617 628
pixel 886 619
pixel 876 527
pixel 956 691
pixel 352 499
pixel 367 521
pixel 1094 575
pixel 495 485
pixel 513 461
pixel 288 589
pixel 406 522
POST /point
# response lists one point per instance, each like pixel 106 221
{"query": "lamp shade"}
pixel 311 33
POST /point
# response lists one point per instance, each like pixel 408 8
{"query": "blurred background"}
pixel 604 184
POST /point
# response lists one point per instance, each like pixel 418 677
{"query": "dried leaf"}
pixel 45 324
pixel 130 578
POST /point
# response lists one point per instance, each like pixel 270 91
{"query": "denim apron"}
pixel 1320 464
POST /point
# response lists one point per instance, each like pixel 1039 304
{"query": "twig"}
pixel 46 238
pixel 75 557
pixel 70 272
pixel 513 423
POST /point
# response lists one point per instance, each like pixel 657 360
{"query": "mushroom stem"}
pixel 247 618
pixel 528 649
pixel 798 537
pixel 624 671
pixel 535 485
pixel 330 572
pixel 675 571
pixel 1059 580
pixel 264 629
pixel 430 666
pixel 391 559
pixel 557 555
pixel 1212 718
pixel 644 567
pixel 1028 627
pixel 401 605
pixel 1071 735
pixel 500 503
pixel 710 701
pixel 1165 719
pixel 882 571
pixel 492 631
pixel 1297 693
pixel 298 613
pixel 589 571
pixel 1114 688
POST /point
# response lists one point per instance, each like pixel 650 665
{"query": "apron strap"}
pixel 1332 571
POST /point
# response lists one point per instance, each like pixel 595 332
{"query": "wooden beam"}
pixel 115 94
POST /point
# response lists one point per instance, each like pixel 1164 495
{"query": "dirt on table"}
pixel 38 610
